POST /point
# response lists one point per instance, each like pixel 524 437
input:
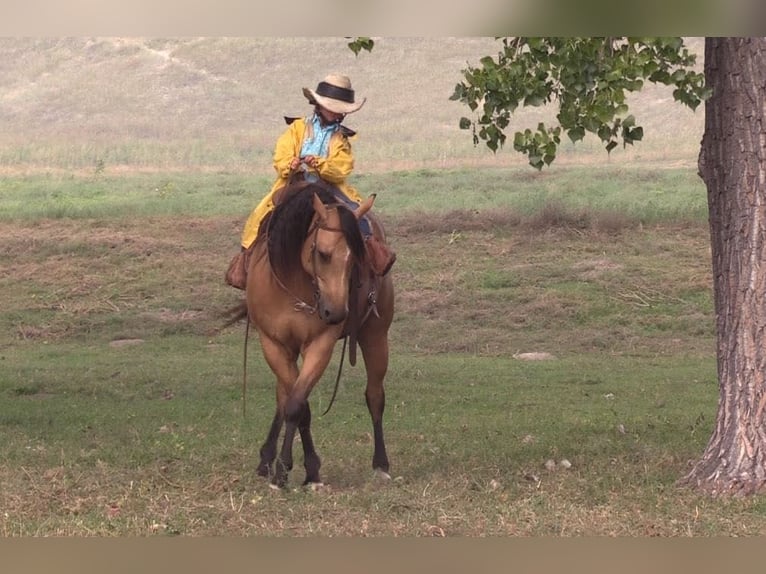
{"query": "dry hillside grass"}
pixel 218 103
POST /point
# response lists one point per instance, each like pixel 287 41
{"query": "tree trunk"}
pixel 732 164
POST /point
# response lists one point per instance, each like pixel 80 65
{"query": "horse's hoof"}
pixel 262 470
pixel 382 474
pixel 315 486
pixel 278 482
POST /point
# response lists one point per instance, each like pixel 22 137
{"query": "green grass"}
pixel 634 193
pixel 98 197
pixel 121 443
pixel 640 193
pixel 121 396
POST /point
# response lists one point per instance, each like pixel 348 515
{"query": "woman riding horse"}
pixel 319 146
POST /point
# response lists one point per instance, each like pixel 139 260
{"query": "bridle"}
pixel 301 305
pixel 316 226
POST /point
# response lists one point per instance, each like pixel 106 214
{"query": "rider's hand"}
pixel 295 162
pixel 311 161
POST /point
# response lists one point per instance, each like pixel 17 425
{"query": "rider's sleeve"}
pixel 339 163
pixel 285 149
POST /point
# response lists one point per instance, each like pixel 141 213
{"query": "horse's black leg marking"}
pixel 284 463
pixel 269 448
pixel 379 456
pixel 311 460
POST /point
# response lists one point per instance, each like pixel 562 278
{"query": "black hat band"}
pixel 329 91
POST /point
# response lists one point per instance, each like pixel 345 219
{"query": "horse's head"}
pixel 330 252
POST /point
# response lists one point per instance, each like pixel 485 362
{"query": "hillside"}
pixel 217 103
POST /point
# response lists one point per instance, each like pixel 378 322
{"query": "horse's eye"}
pixel 324 257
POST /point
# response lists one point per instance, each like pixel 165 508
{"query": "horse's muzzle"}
pixel 330 314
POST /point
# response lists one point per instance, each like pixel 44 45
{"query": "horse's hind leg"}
pixel 311 460
pixel 376 403
pixel 269 448
pixel 375 354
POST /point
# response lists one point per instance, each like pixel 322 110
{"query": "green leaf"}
pixel 519 141
pixel 550 149
pixel 533 100
pixel 488 62
pixel 604 133
pixel 465 123
pixel 590 123
pixel 535 160
pixel 576 134
pixel 361 43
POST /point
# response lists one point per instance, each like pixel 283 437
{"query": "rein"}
pixel 300 304
pixel 244 370
pixel 315 229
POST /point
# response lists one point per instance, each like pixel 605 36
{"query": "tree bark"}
pixel 732 164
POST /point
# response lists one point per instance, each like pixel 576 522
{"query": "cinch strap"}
pixel 336 93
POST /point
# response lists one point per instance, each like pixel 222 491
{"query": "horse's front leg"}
pixel 284 463
pixel 269 448
pixel 316 357
pixel 283 363
pixel 311 460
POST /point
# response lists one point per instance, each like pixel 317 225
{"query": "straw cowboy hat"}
pixel 335 94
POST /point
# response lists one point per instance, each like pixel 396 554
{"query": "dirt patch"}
pixel 125 342
pixel 534 356
pixel 169 316
pixel 592 268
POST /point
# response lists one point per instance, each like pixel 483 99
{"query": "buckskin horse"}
pixel 309 284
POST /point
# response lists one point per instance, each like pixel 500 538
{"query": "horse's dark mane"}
pixel 288 225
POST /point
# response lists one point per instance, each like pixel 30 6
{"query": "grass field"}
pixel 553 351
pixel 122 398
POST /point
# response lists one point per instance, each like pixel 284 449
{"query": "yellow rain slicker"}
pixel 334 169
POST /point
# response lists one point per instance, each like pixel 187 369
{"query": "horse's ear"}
pixel 320 208
pixel 365 206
